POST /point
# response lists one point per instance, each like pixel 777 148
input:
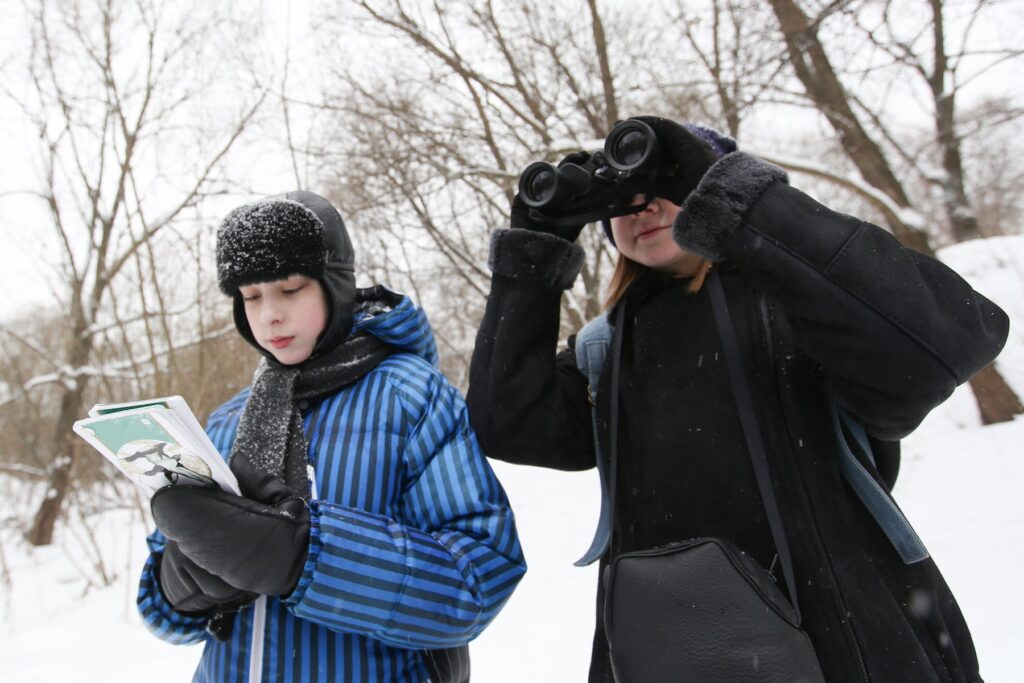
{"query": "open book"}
pixel 156 442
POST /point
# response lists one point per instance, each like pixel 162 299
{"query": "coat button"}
pixel 302 404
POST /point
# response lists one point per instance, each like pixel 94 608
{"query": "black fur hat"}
pixel 270 240
pixel 274 238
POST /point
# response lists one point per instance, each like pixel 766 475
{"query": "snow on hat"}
pixel 269 240
pixel 720 144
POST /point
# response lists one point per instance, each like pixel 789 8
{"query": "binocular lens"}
pixel 629 149
pixel 541 185
pixel 544 185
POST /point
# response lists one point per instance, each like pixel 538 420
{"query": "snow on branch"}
pixel 30 344
pixel 123 369
pixel 20 470
pixel 95 329
pixel 472 171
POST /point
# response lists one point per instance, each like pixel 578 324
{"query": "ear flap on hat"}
pixel 338 279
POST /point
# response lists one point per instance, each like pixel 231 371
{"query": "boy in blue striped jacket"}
pixel 372 540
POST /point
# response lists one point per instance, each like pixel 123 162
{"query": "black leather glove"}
pixel 524 218
pixel 192 590
pixel 258 547
pixel 692 155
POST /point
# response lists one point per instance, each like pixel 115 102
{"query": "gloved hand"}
pixel 523 218
pixel 191 589
pixel 258 547
pixel 691 152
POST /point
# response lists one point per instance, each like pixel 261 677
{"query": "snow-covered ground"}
pixel 960 485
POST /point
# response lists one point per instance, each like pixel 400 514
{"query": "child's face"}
pixel 646 238
pixel 286 316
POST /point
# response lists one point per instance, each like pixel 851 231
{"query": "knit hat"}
pixel 298 233
pixel 719 144
pixel 269 240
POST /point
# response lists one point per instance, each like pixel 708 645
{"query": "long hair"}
pixel 626 273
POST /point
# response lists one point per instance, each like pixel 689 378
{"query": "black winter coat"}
pixel 824 305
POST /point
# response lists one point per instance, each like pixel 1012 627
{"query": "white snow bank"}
pixel 960 486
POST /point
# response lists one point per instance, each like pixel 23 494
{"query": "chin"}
pixel 289 358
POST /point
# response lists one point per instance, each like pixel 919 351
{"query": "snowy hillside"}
pixel 960 485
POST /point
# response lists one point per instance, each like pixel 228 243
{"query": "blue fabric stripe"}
pixel 412 542
pixel 156 612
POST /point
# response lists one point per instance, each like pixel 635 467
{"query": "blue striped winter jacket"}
pixel 412 545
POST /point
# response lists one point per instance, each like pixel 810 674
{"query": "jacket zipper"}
pixel 765 322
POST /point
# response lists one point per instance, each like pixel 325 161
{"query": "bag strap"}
pixel 751 430
pixel 879 503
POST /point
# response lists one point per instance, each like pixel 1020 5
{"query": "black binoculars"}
pixel 604 185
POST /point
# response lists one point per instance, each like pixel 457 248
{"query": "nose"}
pixel 652 206
pixel 271 312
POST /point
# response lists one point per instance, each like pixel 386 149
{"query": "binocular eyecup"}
pixel 632 147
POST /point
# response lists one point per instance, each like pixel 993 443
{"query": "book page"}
pixel 150 447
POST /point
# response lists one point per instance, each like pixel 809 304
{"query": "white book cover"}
pixel 156 443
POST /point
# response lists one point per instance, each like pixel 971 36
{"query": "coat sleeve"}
pixel 158 614
pixel 438 570
pixel 896 331
pixel 527 402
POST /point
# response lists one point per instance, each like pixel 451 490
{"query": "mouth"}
pixel 650 232
pixel 280 342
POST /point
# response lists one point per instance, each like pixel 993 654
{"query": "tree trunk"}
pixel 611 106
pixel 812 67
pixel 996 399
pixel 958 206
pixel 997 402
pixel 65 451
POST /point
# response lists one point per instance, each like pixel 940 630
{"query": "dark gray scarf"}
pixel 270 435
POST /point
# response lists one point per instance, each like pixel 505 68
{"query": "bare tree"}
pixel 740 55
pixel 114 85
pixel 943 55
pixel 926 56
pixel 996 175
pixel 472 93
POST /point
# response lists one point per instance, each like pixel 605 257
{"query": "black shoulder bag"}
pixel 701 610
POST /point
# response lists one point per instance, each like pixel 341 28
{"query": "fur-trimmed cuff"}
pixel 535 256
pixel 714 210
